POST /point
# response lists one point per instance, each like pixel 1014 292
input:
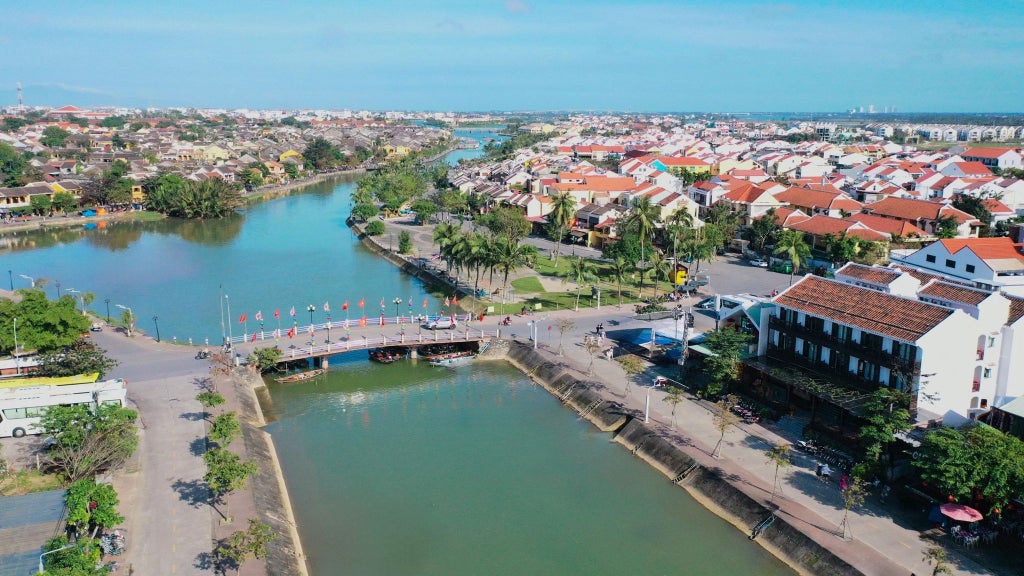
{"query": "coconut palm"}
pixel 508 256
pixel 642 219
pixel 563 209
pixel 618 268
pixel 580 270
pixel 446 235
pixel 791 243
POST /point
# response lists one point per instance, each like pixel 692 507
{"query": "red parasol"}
pixel 960 512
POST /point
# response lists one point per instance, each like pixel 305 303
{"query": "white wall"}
pixel 948 360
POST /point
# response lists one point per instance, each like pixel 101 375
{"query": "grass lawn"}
pixel 28 481
pixel 529 284
pixel 147 216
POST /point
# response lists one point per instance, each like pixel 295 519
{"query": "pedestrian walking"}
pixel 843 483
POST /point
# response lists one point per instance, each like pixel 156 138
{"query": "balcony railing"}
pixel 874 355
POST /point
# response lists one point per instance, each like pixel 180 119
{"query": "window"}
pixel 950 263
pixel 988 373
pixel 930 258
pixel 969 267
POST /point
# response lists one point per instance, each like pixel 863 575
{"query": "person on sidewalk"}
pixel 826 472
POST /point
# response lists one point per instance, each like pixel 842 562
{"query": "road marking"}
pixel 174 528
pixel 174 547
pixel 905 544
pixel 174 568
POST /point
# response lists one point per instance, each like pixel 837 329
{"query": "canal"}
pixel 405 468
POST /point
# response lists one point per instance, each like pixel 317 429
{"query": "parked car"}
pixel 759 262
pixel 96 327
pixel 443 324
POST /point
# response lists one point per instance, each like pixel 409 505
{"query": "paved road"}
pixel 170 526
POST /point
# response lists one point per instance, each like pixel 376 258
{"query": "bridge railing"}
pixel 364 343
pixel 344 324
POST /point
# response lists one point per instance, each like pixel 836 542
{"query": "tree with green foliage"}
pixel 209 399
pixel 264 359
pixel 113 122
pixel 91 506
pixel 780 456
pixel 12 165
pixel 633 367
pixel 225 429
pixel 764 230
pixel 321 154
pixel 724 420
pixel 627 247
pixel 252 542
pixel 885 414
pixel 618 269
pixel 935 556
pixel 563 212
pixel 393 187
pixel 291 169
pixel 452 201
pixel 947 227
pixel 251 178
pixel 674 398
pixel 87 440
pixel 508 255
pixel 209 198
pixel 975 206
pixel 973 460
pixel 41 204
pixel 581 270
pixel 792 245
pixel 506 223
pixel 853 496
pixel 64 202
pixel 43 324
pixel 54 137
pixel 722 216
pixel 375 228
pixel 80 559
pixel 424 210
pixel 364 211
pixel 12 124
pixel 118 142
pixel 404 242
pixel 80 357
pixel 226 472
pixel 723 366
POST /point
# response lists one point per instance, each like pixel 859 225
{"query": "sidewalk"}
pixel 878 544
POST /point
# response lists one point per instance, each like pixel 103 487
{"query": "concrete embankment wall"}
pixel 411 268
pixel 707 486
pixel 284 553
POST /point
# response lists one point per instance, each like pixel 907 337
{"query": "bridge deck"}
pixel 352 344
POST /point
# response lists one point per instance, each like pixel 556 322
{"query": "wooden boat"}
pixel 385 355
pixel 300 376
pixel 452 358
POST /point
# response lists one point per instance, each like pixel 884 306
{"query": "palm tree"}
pixel 580 270
pixel 508 256
pixel 792 244
pixel 563 209
pixel 667 269
pixel 642 219
pixel 446 235
pixel 618 269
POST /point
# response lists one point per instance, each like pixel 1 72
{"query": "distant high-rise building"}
pixel 861 109
pixel 871 108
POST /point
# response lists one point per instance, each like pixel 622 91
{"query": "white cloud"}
pixel 517 6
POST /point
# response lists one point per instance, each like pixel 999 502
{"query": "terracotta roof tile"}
pixel 872 274
pixel 953 292
pixel 1016 308
pixel 878 312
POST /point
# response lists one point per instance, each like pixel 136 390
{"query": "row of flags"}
pixel 453 301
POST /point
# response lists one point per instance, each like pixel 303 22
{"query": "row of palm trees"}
pixel 474 253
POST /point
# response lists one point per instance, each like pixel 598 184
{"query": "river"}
pixel 398 469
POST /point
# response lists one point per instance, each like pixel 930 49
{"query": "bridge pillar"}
pixel 414 353
pixel 323 363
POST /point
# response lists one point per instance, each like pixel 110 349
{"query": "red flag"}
pixel 362 302
pixel 447 302
pixel 381 302
pixel 242 318
pixel 362 321
pixel 425 303
pixel 259 316
pixel 381 318
pixel 291 332
pixel 327 307
pixel 455 300
pixel 292 312
pixel 253 337
pixel 277 313
pixel 311 333
pixel 345 305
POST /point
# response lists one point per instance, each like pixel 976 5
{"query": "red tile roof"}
pixel 1016 308
pixel 974 168
pixel 872 274
pixel 1001 248
pixel 889 226
pixel 878 312
pixel 985 152
pixel 820 199
pixel 953 292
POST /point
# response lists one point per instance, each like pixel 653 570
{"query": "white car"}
pixel 443 324
pixel 758 262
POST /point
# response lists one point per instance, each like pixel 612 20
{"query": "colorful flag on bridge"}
pixel 345 305
pixel 447 302
pixel 311 333
pixel 292 312
pixel 455 300
pixel 381 302
pixel 327 307
pixel 241 319
pixel 253 337
pixel 291 332
pixel 362 302
pixel 362 321
pixel 259 316
pixel 426 303
pixel 277 313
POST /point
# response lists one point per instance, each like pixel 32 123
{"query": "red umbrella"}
pixel 960 512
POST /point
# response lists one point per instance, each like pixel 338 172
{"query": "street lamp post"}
pixel 131 317
pixel 31 280
pixel 58 289
pixel 17 364
pixel 157 324
pixel 397 302
pixel 230 335
pixel 107 301
pixel 311 309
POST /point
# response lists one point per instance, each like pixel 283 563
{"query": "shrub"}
pixel 375 228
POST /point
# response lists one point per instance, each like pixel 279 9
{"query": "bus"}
pixel 22 408
pixel 49 381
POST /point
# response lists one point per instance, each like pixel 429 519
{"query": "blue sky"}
pixel 824 55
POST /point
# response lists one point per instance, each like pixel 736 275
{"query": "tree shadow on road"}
pixel 193 416
pixel 193 492
pixel 204 384
pixel 218 563
pixel 198 447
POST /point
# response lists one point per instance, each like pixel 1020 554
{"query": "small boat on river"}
pixel 300 376
pixel 387 355
pixel 452 358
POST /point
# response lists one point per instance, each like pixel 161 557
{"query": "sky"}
pixel 512 55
